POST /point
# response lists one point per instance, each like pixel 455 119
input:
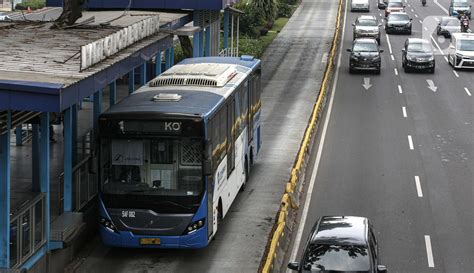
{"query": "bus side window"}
pixel 223 132
pixel 237 113
pixel 214 134
pixel 230 136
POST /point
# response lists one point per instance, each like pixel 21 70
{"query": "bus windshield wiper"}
pixel 174 204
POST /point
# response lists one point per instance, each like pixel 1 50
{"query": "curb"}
pixel 280 236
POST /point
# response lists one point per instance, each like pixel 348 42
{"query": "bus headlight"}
pixel 194 226
pixel 108 224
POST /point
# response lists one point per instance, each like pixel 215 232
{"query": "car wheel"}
pixel 432 70
pixel 409 31
pixel 378 41
pixel 351 70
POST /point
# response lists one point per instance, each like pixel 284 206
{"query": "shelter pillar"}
pixel 35 158
pixel 19 135
pixel 131 81
pixel 68 158
pixel 112 93
pixel 5 195
pixel 226 28
pixel 44 173
pixel 172 55
pixel 201 43
pixel 167 58
pixel 143 74
pixel 158 64
pixel 97 110
pixel 207 51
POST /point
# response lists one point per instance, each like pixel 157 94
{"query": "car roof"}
pixel 463 36
pixel 398 12
pixel 341 230
pixel 366 17
pixel 447 18
pixel 365 40
pixel 417 40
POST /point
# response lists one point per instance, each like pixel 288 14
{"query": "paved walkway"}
pixel 292 72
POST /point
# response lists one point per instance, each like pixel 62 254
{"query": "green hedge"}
pixel 33 4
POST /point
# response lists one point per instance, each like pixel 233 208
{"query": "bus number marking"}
pixel 128 214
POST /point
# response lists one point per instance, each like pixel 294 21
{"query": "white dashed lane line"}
pixel 410 143
pixel 400 89
pixel 446 59
pixel 429 251
pixel 416 15
pixel 456 74
pixel 396 71
pixel 404 111
pixel 389 45
pixel 421 22
pixel 418 186
pixel 391 56
pixel 467 91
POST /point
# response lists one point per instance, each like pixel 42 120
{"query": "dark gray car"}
pixel 398 22
pixel 340 244
pixel 365 55
pixel 447 26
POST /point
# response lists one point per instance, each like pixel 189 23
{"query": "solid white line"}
pixel 440 50
pixel 400 89
pixel 404 110
pixel 443 8
pixel 393 58
pixel 429 251
pixel 446 58
pixel 304 213
pixel 389 45
pixel 396 71
pixel 410 143
pixel 467 91
pixel 418 186
pixel 456 73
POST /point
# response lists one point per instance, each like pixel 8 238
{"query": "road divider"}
pixel 280 237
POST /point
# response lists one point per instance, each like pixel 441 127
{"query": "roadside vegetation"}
pixel 33 4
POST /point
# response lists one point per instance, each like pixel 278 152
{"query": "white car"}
pixel 461 50
pixel 360 5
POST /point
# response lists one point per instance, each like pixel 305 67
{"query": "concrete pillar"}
pixel 35 158
pixel 131 81
pixel 226 28
pixel 167 58
pixel 44 173
pixel 158 64
pixel 143 74
pixel 5 196
pixel 201 43
pixel 113 93
pixel 172 55
pixel 68 162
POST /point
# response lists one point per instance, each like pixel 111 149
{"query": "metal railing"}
pixel 229 52
pixel 84 185
pixel 27 230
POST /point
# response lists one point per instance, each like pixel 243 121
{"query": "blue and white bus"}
pixel 174 154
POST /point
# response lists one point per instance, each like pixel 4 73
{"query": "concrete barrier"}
pixel 280 237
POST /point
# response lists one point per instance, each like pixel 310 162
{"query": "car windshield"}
pixel 336 258
pixel 466 45
pixel 398 17
pixel 395 5
pixel 154 166
pixel 365 47
pixel 460 4
pixel 450 22
pixel 367 23
pixel 419 47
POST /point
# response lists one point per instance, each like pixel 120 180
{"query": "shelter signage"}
pixel 99 50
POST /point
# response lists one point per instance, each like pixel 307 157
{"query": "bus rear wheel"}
pixel 246 172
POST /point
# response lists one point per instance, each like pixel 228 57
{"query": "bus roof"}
pixel 198 93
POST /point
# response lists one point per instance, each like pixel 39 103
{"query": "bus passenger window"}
pixel 161 151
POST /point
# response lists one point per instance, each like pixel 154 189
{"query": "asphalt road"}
pixel 400 154
pixel 292 68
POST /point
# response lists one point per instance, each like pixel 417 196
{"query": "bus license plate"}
pixel 150 241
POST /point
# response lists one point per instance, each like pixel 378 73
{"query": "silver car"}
pixel 4 17
pixel 360 5
pixel 367 26
pixel 447 26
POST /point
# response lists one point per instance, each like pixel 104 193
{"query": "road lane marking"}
pixel 396 71
pixel 421 22
pixel 416 15
pixel 439 48
pixel 418 186
pixel 324 59
pixel 410 142
pixel 304 214
pixel 389 45
pixel 425 28
pixel 431 85
pixel 412 10
pixel 446 59
pixel 456 73
pixel 467 91
pixel 400 89
pixel 437 19
pixel 429 251
pixel 443 8
pixel 404 110
pixel 391 56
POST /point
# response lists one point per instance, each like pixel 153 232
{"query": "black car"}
pixel 365 55
pixel 418 54
pixel 398 22
pixel 340 244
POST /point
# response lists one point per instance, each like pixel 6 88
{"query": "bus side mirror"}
pixel 207 167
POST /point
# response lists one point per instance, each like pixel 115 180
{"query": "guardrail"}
pixel 84 184
pixel 280 237
pixel 27 230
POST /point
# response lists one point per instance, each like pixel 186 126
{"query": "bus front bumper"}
pixel 197 239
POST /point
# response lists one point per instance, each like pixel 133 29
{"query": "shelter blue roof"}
pixel 247 61
pixel 153 4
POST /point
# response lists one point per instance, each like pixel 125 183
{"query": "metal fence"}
pixel 27 230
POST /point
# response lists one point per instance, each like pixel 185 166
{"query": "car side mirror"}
pixel 294 266
pixel 381 50
pixel 411 19
pixel 353 24
pixel 349 50
pixel 381 269
pixel 382 6
pixel 404 50
pixel 451 46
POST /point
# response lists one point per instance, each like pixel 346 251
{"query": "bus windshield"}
pixel 168 166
